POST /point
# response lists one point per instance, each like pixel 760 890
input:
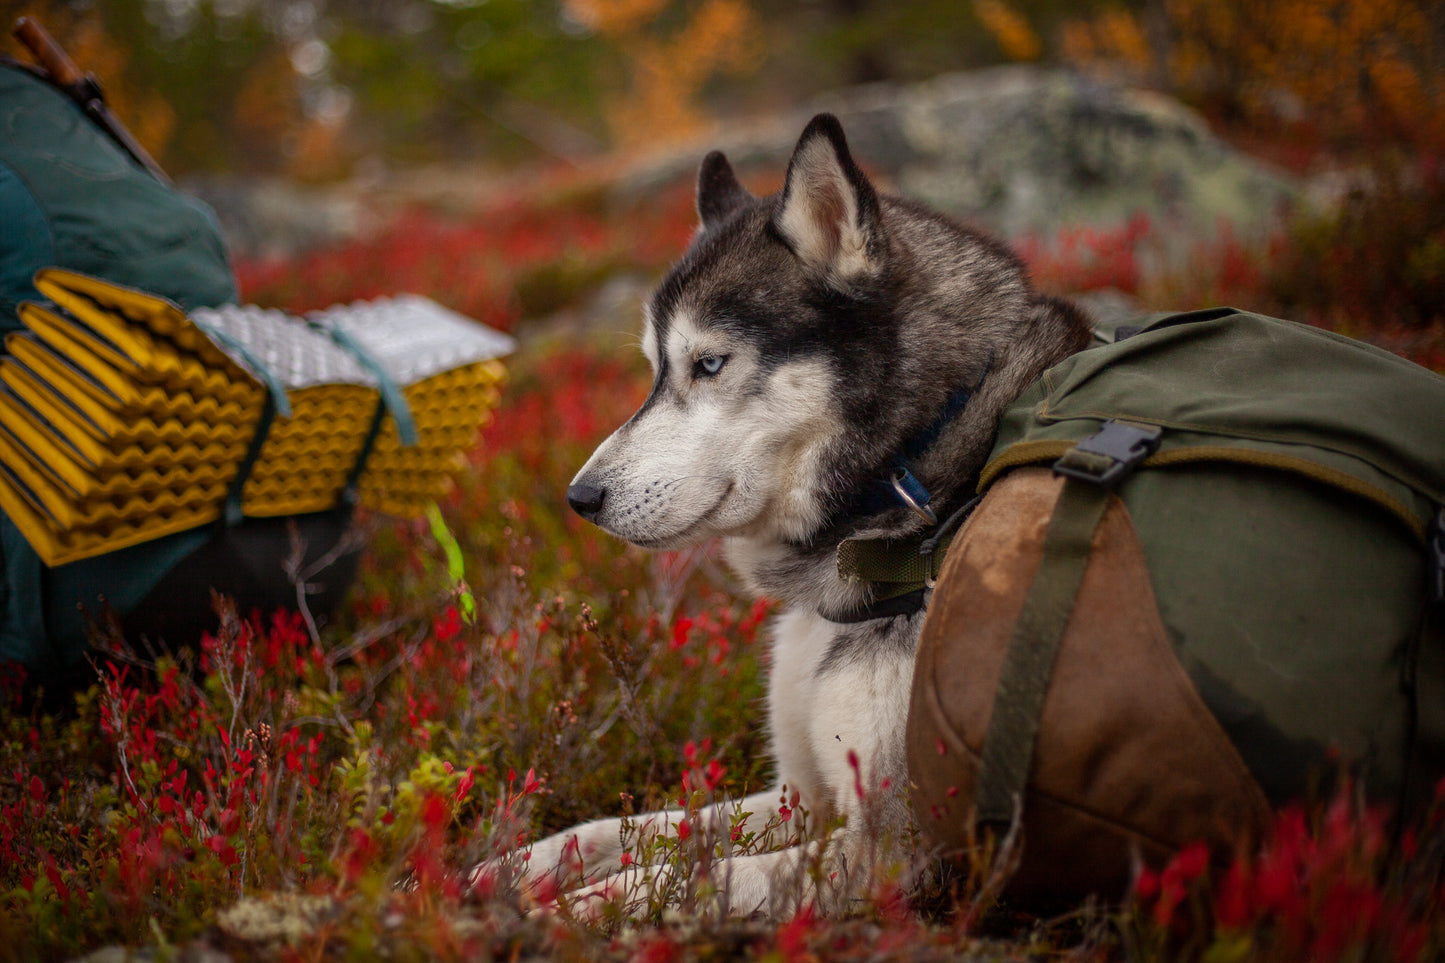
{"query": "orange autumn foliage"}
pixel 667 71
pixel 1014 35
pixel 1350 70
pixel 145 113
pixel 1114 37
pixel 614 18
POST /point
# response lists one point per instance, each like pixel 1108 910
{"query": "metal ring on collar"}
pixel 919 509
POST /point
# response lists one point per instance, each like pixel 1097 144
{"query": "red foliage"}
pixel 1325 886
pixel 474 264
pixel 794 936
pixel 1085 258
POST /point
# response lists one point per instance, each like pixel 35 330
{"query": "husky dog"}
pixel 830 363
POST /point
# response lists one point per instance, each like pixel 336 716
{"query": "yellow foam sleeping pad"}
pixel 122 419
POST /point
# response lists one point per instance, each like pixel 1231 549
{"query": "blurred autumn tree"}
pixel 304 87
pixel 668 55
pixel 1353 85
pixel 300 87
pixel 1337 74
pixel 276 85
pixel 179 74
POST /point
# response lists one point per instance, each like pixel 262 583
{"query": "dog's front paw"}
pixel 590 904
pixel 567 861
pixel 537 875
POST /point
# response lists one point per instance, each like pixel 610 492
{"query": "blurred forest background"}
pixel 313 88
pixel 513 97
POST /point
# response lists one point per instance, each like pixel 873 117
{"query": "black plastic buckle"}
pixel 1437 559
pixel 1109 456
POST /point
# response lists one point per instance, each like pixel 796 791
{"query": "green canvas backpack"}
pixel 1205 577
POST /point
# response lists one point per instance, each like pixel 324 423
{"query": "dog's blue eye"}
pixel 709 364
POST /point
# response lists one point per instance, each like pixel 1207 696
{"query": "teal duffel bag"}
pixel 71 197
pixel 1204 580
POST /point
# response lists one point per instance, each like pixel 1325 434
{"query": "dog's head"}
pixel 733 436
pixel 782 375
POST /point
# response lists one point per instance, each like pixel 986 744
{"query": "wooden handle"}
pixel 49 54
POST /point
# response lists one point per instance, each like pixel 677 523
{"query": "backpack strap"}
pixel 1008 746
pixel 1436 551
pixel 1092 468
pixel 277 403
pixel 392 402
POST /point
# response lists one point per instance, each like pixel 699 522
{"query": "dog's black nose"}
pixel 586 500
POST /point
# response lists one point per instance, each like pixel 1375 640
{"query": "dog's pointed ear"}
pixel 718 192
pixel 828 212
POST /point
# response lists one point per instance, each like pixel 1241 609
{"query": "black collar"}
pixel 900 487
pixel 907 604
pixel 894 596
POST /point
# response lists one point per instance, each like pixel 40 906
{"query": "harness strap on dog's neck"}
pixel 898 568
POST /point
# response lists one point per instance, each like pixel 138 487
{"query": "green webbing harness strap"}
pixel 899 569
pixel 392 402
pixel 1093 467
pixel 1008 746
pixel 276 403
pixel 895 565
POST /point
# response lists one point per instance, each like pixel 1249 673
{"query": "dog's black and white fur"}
pixel 806 346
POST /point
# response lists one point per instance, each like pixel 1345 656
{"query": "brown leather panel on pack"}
pixel 1129 761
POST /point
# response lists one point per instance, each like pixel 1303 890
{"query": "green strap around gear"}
pixel 234 510
pixel 351 489
pixel 1008 746
pixel 277 403
pixel 391 394
pixel 393 402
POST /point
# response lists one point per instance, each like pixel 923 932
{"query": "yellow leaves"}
pixel 722 34
pixel 1009 28
pixel 267 112
pixel 319 152
pixel 265 106
pixel 668 71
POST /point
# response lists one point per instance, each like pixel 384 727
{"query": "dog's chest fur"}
pixel 837 704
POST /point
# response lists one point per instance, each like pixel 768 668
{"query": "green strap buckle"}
pixel 1109 456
